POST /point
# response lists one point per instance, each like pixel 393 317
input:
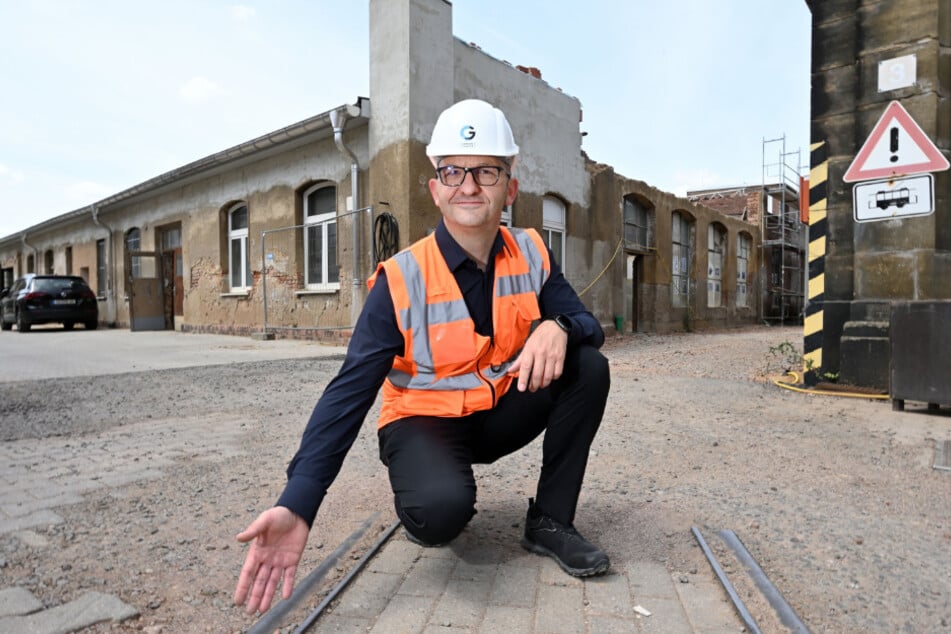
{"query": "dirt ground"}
pixel 834 497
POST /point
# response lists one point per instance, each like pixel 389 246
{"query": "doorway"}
pixel 170 241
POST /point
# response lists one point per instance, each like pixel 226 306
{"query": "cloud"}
pixel 242 13
pixel 8 175
pixel 199 90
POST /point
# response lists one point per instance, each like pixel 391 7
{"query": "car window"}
pixel 53 284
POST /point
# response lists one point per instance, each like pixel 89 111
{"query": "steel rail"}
pixel 725 582
pixel 312 618
pixel 786 614
pixel 272 619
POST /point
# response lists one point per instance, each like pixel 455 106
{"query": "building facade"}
pixel 279 233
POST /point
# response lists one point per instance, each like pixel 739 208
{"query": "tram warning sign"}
pixel 896 147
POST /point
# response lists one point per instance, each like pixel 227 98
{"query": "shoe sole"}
pixel 538 549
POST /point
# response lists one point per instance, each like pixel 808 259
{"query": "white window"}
pixel 681 257
pixel 716 243
pixel 553 227
pixel 238 261
pixel 742 269
pixel 320 238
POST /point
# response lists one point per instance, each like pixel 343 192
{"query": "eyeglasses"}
pixel 483 175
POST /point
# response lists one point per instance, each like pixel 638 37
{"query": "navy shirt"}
pixel 376 340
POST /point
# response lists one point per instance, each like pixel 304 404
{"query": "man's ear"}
pixel 433 183
pixel 512 191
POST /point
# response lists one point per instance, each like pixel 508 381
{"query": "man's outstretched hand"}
pixel 279 537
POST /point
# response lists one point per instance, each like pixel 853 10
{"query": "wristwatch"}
pixel 563 322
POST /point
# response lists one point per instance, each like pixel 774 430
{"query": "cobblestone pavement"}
pixel 482 582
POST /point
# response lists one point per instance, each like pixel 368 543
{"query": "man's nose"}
pixel 469 183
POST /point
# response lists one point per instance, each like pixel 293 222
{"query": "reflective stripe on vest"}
pixel 418 371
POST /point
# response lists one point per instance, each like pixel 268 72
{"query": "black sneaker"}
pixel 576 555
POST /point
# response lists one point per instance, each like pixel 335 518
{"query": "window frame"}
pixel 322 221
pixel 133 242
pixel 744 246
pixel 240 236
pixel 642 223
pixel 681 257
pixel 553 225
pixel 716 257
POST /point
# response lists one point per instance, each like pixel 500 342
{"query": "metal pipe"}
pixel 36 254
pixel 725 582
pixel 338 119
pixel 783 609
pixel 110 266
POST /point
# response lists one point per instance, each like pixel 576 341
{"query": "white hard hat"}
pixel 472 127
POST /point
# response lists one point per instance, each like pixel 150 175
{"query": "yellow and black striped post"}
pixel 818 227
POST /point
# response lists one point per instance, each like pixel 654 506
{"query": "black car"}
pixel 42 299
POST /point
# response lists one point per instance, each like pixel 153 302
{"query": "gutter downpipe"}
pixel 110 268
pixel 338 119
pixel 36 254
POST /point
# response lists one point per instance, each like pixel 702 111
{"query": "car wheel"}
pixel 67 325
pixel 91 325
pixel 4 324
pixel 22 324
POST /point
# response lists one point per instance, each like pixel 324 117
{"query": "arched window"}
pixel 716 250
pixel 681 257
pixel 638 225
pixel 743 245
pixel 239 263
pixel 553 227
pixel 133 242
pixel 321 270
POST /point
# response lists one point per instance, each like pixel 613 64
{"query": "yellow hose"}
pixel 798 379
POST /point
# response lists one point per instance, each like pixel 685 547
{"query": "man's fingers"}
pixel 254 529
pixel 288 585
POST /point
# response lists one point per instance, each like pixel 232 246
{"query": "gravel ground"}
pixel 835 497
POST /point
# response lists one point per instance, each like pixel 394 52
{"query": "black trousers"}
pixel 430 459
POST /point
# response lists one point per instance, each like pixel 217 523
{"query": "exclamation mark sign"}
pixel 893 144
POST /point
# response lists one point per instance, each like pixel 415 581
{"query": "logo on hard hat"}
pixel 467 132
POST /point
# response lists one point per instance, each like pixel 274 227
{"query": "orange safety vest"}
pixel 447 368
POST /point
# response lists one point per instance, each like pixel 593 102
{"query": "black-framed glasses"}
pixel 483 175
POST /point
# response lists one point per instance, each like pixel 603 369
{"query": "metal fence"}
pixel 301 281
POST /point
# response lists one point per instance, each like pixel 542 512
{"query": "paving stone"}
pixel 404 614
pixel 461 605
pixel 559 610
pixel 427 577
pixel 87 610
pixel 648 579
pixel 608 595
pixel 707 606
pixel 612 625
pixel 667 617
pixel 368 596
pixel 39 518
pixel 514 586
pixel 17 602
pixel 508 619
pixel 396 558
pixel 336 624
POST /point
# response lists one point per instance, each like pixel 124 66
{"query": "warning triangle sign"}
pixel 897 146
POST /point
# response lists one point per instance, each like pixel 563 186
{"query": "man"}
pixel 450 326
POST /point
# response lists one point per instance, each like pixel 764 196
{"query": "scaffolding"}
pixel 783 234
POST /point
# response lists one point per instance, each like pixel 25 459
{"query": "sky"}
pixel 96 97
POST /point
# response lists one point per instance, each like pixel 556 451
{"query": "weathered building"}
pixel 861 270
pixel 279 233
